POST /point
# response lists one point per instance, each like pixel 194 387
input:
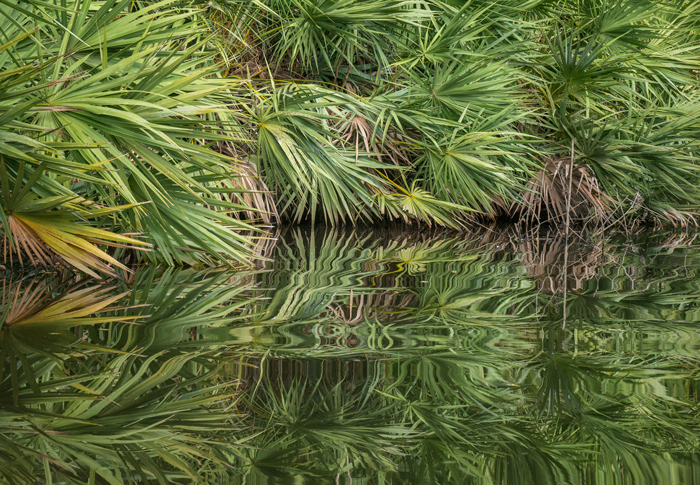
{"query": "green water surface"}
pixel 373 356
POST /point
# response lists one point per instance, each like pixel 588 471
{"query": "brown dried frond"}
pixel 545 198
pixel 357 131
pixel 676 217
pixel 256 194
pixel 26 243
pixel 24 301
pixel 680 240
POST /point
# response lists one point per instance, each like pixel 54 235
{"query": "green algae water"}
pixel 373 356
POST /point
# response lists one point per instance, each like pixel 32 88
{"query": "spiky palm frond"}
pixel 297 157
pixel 123 128
pixel 321 37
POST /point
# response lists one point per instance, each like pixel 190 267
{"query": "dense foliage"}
pixel 177 132
pixel 180 127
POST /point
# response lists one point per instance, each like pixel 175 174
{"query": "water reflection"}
pixel 366 356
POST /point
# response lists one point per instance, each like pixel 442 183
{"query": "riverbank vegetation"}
pixel 175 131
pixel 136 136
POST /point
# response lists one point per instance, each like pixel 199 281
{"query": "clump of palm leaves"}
pixel 176 126
pixel 110 111
pixel 475 105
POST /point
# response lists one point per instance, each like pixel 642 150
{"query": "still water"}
pixel 373 356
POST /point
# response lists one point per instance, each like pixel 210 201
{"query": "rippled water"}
pixel 368 356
